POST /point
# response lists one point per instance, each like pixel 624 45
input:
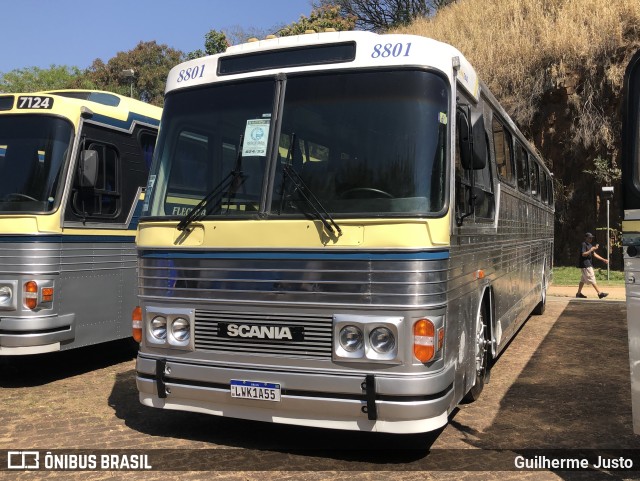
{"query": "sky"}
pixel 41 33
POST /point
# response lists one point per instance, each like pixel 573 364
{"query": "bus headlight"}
pixel 382 340
pixel 6 295
pixel 180 329
pixel 365 338
pixel 159 327
pixel 168 327
pixel 351 338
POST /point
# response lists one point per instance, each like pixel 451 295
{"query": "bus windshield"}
pixel 33 149
pixel 364 143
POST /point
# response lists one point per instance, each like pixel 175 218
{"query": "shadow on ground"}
pixel 41 369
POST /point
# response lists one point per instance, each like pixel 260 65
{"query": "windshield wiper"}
pixel 199 211
pixel 229 185
pixel 307 195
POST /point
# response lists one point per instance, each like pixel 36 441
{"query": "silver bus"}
pixel 73 165
pixel 341 230
pixel 631 223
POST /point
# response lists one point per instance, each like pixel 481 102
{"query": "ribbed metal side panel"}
pixel 316 344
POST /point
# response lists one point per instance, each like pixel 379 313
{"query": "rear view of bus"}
pixel 308 250
pixel 72 168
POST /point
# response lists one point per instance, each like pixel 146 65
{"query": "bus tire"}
pixel 482 356
pixel 542 305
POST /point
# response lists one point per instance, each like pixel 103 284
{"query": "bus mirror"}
pixel 465 141
pixel 88 168
pixel 479 142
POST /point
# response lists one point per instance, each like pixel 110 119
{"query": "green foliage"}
pixel 605 171
pixel 33 79
pixel 151 64
pixel 214 42
pixel 321 18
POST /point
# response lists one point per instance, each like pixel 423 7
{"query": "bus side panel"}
pixel 98 284
pixel 514 257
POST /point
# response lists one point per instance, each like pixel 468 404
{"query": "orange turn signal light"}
pixel 47 294
pixel 424 340
pixel 30 294
pixel 136 324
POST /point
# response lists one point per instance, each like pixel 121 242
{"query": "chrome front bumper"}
pixel 382 403
pixel 35 335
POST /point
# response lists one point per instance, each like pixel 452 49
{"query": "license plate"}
pixel 261 391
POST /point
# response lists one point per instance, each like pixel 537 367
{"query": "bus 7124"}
pixel 73 165
pixel 342 230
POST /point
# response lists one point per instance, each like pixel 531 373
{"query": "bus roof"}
pixel 99 105
pixel 361 50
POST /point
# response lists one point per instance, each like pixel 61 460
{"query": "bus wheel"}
pixel 482 344
pixel 539 309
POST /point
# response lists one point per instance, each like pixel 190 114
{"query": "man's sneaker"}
pixel 580 296
pixel 602 295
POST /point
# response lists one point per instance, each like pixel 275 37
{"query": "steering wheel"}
pixel 20 196
pixel 378 192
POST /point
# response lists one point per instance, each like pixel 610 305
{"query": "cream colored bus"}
pixel 73 165
pixel 342 230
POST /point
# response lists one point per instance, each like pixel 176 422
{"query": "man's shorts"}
pixel 588 276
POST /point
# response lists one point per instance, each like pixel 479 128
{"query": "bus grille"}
pixel 317 342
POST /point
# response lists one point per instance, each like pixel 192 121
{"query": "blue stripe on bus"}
pixel 13 238
pixel 370 256
pixel 125 124
pixel 135 218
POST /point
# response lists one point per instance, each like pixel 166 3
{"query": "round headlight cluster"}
pixel 159 327
pixel 351 338
pixel 180 329
pixel 382 340
pixel 6 295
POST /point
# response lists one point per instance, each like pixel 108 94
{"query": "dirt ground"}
pixel 560 389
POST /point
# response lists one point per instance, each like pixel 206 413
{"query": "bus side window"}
pixel 534 171
pixel 147 145
pixel 483 182
pixel 504 156
pixel 543 186
pixel 523 171
pixel 103 200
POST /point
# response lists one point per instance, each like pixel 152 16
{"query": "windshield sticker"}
pixel 150 183
pixel 256 136
pixel 443 118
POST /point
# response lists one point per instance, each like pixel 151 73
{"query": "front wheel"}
pixel 482 344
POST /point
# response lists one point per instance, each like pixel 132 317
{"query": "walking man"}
pixel 587 253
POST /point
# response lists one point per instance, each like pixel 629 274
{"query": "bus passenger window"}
pixel 543 186
pixel 103 200
pixel 147 144
pixel 523 170
pixel 534 171
pixel 502 146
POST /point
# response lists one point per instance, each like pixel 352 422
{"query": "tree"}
pixel 321 18
pixel 150 63
pixel 214 42
pixel 382 15
pixel 33 79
